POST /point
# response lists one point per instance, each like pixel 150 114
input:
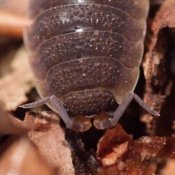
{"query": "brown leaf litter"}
pixel 158 84
pixel 119 153
pixel 17 83
pixel 50 140
pixel 11 125
pixel 22 158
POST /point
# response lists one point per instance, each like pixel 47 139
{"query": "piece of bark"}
pixel 50 140
pixel 22 158
pixel 158 85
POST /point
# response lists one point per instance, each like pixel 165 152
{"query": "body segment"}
pixel 87 52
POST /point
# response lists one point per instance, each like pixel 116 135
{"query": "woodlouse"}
pixel 86 56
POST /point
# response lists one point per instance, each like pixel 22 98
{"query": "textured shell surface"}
pixel 86 52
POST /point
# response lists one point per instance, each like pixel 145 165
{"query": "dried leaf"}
pixel 112 139
pixel 141 156
pixel 15 84
pixel 22 158
pixel 49 138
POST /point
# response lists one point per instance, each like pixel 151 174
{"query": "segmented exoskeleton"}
pixel 86 55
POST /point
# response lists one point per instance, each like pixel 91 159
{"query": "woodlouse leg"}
pixel 111 122
pixel 70 123
pixel 56 104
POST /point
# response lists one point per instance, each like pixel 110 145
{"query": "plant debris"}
pixel 158 83
pixel 49 138
pixel 120 154
pixel 23 158
pixel 13 93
